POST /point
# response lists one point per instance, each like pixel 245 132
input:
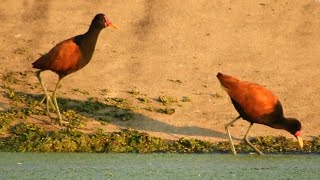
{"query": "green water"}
pixel 157 166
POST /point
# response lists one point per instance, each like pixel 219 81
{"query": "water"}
pixel 157 166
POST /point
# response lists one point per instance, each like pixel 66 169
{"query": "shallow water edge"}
pixel 157 166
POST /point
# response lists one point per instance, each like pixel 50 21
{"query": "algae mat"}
pixel 157 166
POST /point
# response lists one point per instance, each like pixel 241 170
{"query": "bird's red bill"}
pixel 300 141
pixel 298 133
pixel 109 23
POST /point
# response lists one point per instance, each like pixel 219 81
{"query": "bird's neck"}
pixel 89 42
pixel 282 123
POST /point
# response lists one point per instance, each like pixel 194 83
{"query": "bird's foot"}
pixel 48 100
pixel 259 152
pixel 61 122
pixel 252 146
pixel 51 106
pixel 234 152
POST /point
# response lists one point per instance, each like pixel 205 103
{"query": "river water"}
pixel 157 166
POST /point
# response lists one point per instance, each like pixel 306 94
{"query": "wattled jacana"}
pixel 256 104
pixel 69 56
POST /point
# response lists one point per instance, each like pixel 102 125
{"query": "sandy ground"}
pixel 175 48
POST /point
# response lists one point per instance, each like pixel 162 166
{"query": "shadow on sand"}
pixel 123 116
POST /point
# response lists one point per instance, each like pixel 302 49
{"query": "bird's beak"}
pixel 109 23
pixel 113 26
pixel 300 141
pixel 298 136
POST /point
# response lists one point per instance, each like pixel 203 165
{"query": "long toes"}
pixel 52 105
pixel 42 100
pixel 226 128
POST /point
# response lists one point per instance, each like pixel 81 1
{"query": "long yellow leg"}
pixel 55 101
pixel 229 135
pixel 249 143
pixel 47 97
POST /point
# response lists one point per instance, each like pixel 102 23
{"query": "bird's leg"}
pixel 249 143
pixel 46 97
pixel 229 135
pixel 55 101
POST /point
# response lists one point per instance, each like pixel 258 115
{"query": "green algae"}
pixel 28 137
pixel 167 100
pixel 33 138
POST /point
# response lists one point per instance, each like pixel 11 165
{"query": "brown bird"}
pixel 69 56
pixel 256 104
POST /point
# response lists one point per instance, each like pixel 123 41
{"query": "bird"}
pixel 257 104
pixel 70 56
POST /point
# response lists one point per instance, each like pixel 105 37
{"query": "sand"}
pixel 175 48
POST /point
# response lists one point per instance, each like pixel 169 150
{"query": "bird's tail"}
pixel 227 81
pixel 41 62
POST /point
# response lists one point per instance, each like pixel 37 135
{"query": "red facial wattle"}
pixel 109 23
pixel 298 136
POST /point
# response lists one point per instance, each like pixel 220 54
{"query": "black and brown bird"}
pixel 256 104
pixel 70 56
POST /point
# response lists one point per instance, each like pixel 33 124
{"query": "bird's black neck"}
pixel 288 124
pixel 87 42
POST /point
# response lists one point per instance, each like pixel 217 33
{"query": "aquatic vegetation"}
pixel 316 145
pixel 21 99
pixel 91 105
pixel 151 109
pixel 186 99
pixel 167 100
pixel 74 119
pixel 6 117
pixel 143 99
pixel 161 110
pixel 20 135
pixel 129 140
pixel 10 77
pixel 184 145
pixel 33 138
pixel 105 91
pixel 166 110
pixel 118 102
pixel 134 92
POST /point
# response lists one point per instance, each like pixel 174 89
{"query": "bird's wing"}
pixel 255 100
pixel 64 56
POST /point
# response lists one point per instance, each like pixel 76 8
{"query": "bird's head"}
pixel 101 21
pixel 295 129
